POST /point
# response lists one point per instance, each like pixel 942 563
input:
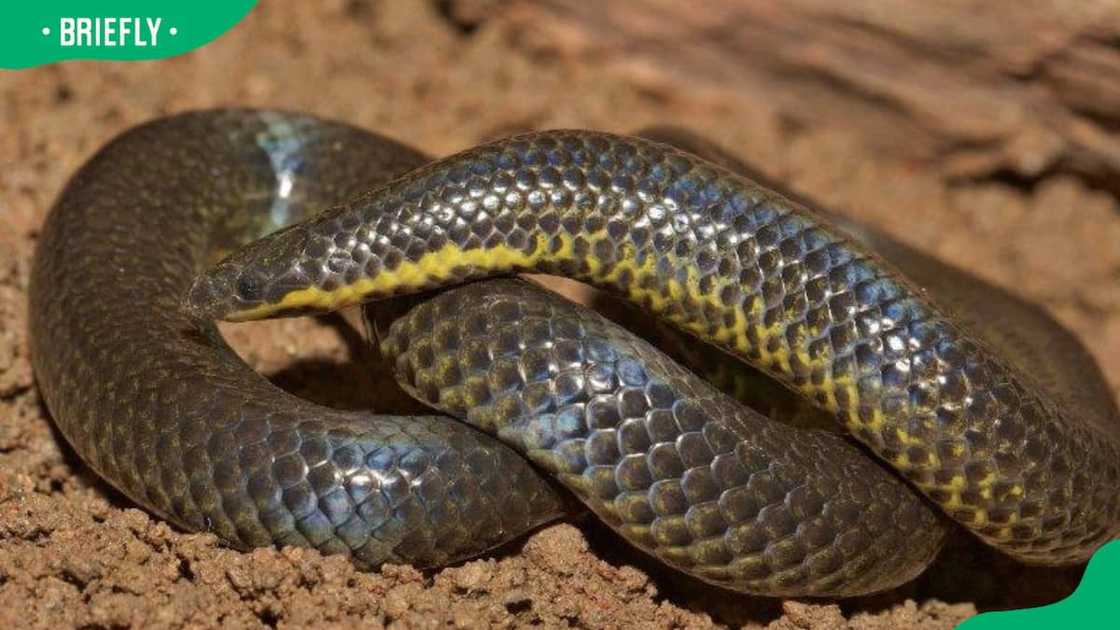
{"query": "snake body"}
pixel 973 398
pixel 160 406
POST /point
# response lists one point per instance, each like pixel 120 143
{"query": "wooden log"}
pixel 1009 90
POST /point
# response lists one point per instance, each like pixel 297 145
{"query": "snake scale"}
pixel 962 402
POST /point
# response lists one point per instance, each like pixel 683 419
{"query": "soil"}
pixel 443 76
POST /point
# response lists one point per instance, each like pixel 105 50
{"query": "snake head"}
pixel 258 281
pixel 326 263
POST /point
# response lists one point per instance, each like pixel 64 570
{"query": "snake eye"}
pixel 250 287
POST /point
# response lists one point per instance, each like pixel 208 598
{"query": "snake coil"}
pixel 969 399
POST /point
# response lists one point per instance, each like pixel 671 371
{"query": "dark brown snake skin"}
pixel 156 402
pixel 978 400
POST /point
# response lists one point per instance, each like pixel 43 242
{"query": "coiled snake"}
pixel 960 400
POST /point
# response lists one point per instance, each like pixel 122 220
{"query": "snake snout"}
pixel 254 281
pixel 214 294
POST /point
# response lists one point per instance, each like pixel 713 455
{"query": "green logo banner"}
pixel 1092 605
pixel 35 33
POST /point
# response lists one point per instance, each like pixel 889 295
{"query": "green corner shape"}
pixel 37 33
pixel 1093 605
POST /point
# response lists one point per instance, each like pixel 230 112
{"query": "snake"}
pixel 962 406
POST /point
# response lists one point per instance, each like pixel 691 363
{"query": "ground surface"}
pixel 443 76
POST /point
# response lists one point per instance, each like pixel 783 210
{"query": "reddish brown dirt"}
pixel 75 553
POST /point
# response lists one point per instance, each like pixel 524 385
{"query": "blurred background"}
pixel 986 133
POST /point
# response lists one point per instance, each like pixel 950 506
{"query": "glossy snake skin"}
pixel 676 467
pixel 158 405
pixel 978 401
pixel 990 413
